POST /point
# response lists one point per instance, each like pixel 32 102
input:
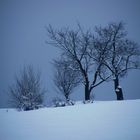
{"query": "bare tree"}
pixel 76 46
pixel 122 53
pixel 27 93
pixel 65 78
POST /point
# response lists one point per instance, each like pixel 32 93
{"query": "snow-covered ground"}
pixel 104 120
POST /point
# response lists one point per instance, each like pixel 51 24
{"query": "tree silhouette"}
pixel 76 47
pixel 65 78
pixel 122 53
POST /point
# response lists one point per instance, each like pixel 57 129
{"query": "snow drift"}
pixel 102 120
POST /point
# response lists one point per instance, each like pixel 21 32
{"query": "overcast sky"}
pixel 23 35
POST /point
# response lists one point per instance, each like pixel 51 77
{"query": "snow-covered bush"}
pixel 27 93
pixel 87 101
pixel 57 102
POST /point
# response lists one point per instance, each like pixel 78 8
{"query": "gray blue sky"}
pixel 22 38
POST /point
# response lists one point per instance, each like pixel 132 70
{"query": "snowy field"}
pixel 102 120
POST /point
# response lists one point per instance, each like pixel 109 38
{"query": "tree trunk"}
pixel 67 97
pixel 87 92
pixel 118 89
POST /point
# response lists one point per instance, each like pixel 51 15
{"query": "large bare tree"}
pixel 77 47
pixel 122 53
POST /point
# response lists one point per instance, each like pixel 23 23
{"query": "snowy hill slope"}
pixel 104 120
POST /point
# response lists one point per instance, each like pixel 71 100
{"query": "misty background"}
pixel 23 36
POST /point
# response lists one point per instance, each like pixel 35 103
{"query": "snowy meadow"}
pixel 100 120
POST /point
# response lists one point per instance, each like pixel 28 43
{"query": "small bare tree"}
pixel 65 78
pixel 76 46
pixel 122 53
pixel 27 93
